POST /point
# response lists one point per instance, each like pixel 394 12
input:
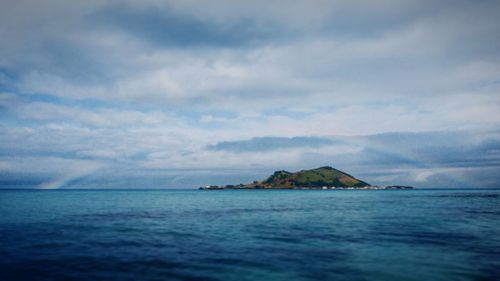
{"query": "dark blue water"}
pixel 250 235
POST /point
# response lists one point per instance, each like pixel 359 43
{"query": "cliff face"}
pixel 315 178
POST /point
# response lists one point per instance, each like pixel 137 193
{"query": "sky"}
pixel 181 94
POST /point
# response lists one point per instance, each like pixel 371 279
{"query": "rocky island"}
pixel 319 178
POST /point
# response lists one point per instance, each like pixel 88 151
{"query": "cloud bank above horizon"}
pixel 154 93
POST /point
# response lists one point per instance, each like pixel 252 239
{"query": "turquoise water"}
pixel 250 235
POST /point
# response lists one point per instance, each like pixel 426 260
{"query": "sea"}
pixel 421 234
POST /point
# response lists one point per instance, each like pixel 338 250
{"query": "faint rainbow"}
pixel 62 180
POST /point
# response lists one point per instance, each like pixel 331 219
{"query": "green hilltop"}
pixel 323 176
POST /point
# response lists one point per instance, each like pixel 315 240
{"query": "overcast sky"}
pixel 131 94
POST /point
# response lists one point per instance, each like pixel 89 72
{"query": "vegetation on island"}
pixel 319 178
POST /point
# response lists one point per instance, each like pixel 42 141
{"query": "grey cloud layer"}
pixel 153 52
pixel 448 149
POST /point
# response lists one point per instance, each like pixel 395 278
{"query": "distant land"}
pixel 320 178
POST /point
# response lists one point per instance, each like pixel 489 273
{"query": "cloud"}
pixel 416 158
pixel 270 143
pixel 420 159
pixel 169 27
pixel 106 52
pixel 407 90
pixel 432 149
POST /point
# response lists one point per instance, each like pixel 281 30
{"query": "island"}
pixel 320 178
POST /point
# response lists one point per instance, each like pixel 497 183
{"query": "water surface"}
pixel 249 235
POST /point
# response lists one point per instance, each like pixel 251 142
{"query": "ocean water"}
pixel 250 235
